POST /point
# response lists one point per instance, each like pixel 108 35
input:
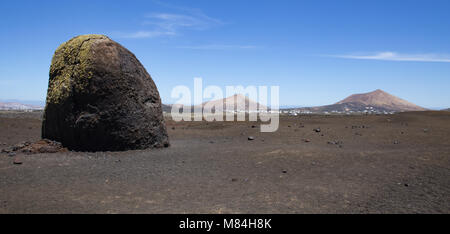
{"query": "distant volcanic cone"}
pixel 381 99
pixel 101 98
pixel 237 102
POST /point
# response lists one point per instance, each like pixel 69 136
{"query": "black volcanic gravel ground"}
pixel 355 164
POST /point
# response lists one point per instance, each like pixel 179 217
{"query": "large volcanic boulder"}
pixel 101 98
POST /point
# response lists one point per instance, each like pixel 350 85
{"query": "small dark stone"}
pixel 284 171
pixel 406 185
pixel 250 138
pixel 234 180
pixel 17 161
pixel 18 147
pixel 317 130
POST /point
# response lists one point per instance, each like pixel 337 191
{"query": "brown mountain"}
pixel 377 101
pixel 381 99
pixel 241 103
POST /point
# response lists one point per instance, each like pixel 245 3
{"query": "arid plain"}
pixel 355 164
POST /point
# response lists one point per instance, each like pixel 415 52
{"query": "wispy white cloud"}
pixel 172 24
pixel 393 56
pixel 145 34
pixel 219 47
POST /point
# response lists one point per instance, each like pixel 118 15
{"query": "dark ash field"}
pixel 356 164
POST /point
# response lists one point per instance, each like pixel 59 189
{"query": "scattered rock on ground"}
pixel 335 142
pixel 41 146
pixel 6 151
pixel 17 161
pixel 358 126
pixel 20 146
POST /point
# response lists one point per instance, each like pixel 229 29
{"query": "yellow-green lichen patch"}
pixel 70 68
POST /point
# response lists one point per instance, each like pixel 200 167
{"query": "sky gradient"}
pixel 318 52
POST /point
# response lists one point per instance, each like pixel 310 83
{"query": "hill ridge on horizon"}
pixel 377 101
pixel 19 106
pixel 238 98
pixel 380 98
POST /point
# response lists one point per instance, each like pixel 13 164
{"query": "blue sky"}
pixel 318 52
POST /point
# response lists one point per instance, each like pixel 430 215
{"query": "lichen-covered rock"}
pixel 101 98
